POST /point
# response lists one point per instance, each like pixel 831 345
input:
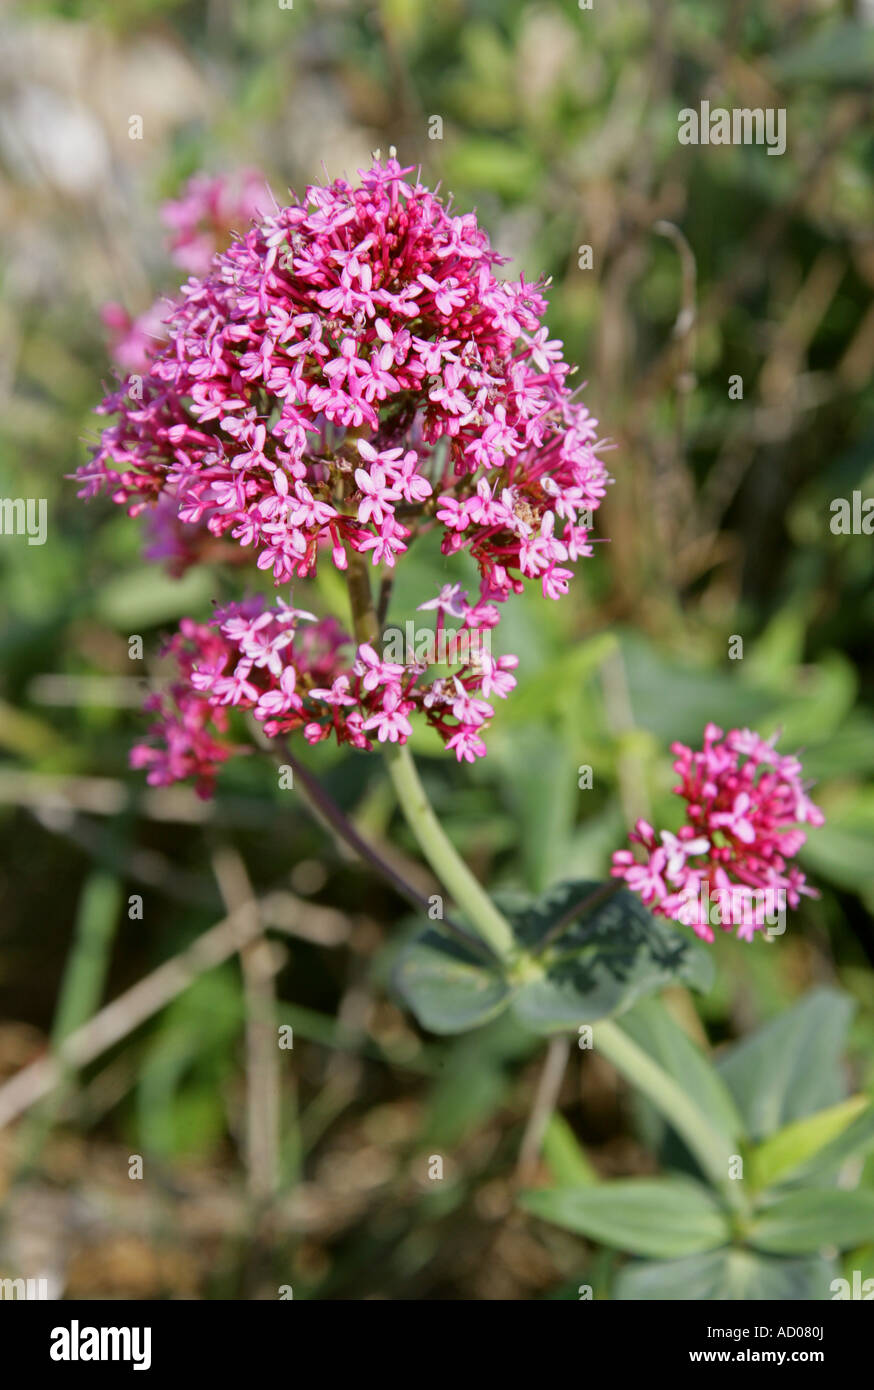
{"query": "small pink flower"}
pixel 496 674
pixel 391 722
pixel 337 695
pixel 374 671
pixel 378 496
pixel 282 699
pixel 468 709
pixel 453 514
pixel 678 851
pixel 736 820
pixel 467 745
pixel 387 545
pixel 451 600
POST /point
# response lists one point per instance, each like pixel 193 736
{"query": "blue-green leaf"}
pixel 808 1220
pixel 449 988
pixel 792 1066
pixel 615 953
pixel 726 1275
pixel 653 1029
pixel 609 958
pixel 667 1217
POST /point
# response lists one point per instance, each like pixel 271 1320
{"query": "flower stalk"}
pixel 441 854
pixel 671 1100
pixel 432 839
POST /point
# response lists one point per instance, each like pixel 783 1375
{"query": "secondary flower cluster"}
pixel 745 803
pixel 349 371
pixel 307 677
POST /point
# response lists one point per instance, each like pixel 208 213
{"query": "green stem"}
pixel 647 1076
pixel 441 854
pixel 364 618
pixel 635 1064
pixel 330 813
pixel 447 864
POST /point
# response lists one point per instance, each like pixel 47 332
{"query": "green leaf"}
pixel 615 953
pixel 806 1221
pixel 791 1066
pixel 183 1072
pixel 725 1275
pixel 653 1029
pixel 797 1143
pixel 855 1140
pixel 849 749
pixel 841 852
pixel 471 1086
pixel 568 1163
pixel 550 690
pixel 544 801
pixel 449 988
pixel 646 1216
pixel 88 962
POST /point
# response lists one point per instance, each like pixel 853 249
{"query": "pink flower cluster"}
pixel 348 374
pixel 292 677
pixel 745 803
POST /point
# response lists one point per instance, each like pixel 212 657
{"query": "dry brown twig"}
pixel 545 1100
pixel 262 1052
pixel 143 1000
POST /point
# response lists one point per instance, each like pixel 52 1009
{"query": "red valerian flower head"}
pixel 345 374
pixel 729 863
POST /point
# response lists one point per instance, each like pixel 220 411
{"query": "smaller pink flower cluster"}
pixel 200 222
pixel 186 726
pixel 290 677
pixel 745 803
pixel 208 210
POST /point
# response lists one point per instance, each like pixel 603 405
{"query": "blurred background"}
pixel 308 1168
